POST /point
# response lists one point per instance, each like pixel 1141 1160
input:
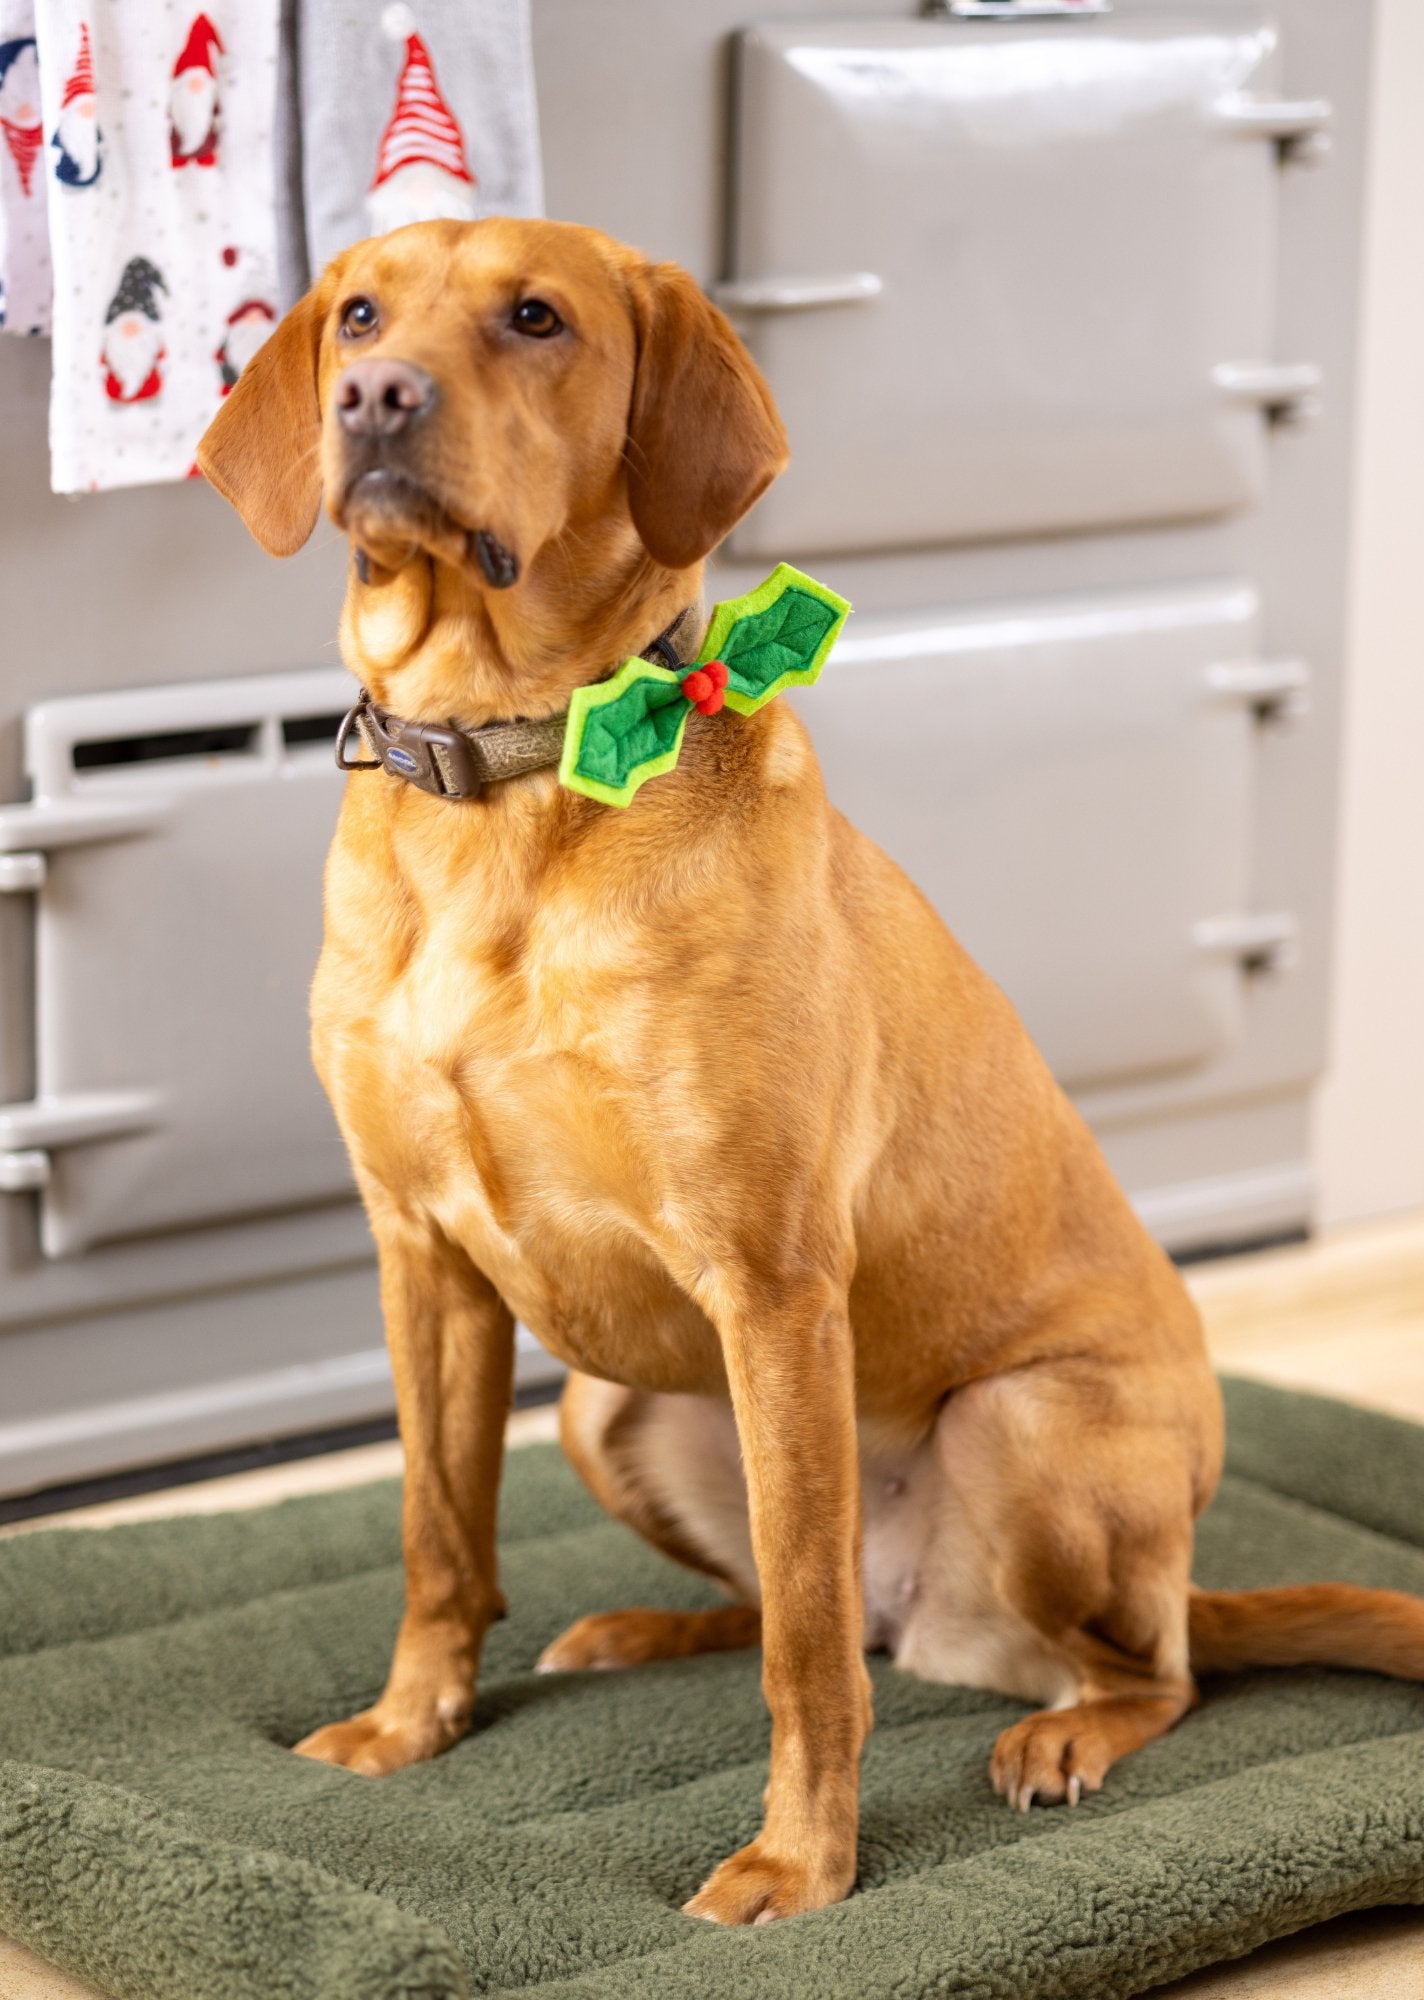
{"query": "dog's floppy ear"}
pixel 262 449
pixel 704 438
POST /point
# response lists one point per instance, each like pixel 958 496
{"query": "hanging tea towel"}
pixel 159 155
pixel 24 230
pixel 413 112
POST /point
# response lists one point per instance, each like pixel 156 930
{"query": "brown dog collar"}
pixel 456 763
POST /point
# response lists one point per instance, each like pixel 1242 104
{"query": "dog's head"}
pixel 480 391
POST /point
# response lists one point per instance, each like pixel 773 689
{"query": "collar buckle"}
pixel 428 755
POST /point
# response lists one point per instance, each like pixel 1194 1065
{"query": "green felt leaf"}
pixel 777 636
pixel 780 640
pixel 624 731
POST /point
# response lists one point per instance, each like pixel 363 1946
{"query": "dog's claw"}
pixel 1025 1799
pixel 1075 1790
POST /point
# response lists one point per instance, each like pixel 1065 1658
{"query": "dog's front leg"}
pixel 451 1339
pixel 789 1363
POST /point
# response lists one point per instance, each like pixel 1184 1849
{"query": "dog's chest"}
pixel 499 1064
pixel 496 1084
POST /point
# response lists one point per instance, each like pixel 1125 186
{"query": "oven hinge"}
pixel 779 295
pixel 29 1133
pixel 1299 127
pixel 1285 392
pixel 1265 941
pixel 28 830
pixel 1277 692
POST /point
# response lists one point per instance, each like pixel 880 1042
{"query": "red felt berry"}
pixel 716 672
pixel 713 702
pixel 698 685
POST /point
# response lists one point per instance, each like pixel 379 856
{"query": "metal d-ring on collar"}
pixel 455 763
pixel 352 720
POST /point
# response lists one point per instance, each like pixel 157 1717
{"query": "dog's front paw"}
pixel 756 1886
pixel 374 1744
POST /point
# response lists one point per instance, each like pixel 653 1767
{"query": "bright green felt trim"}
pixel 622 732
pixel 777 636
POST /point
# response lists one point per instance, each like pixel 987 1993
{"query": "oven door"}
pixel 1072 784
pixel 176 842
pixel 1010 277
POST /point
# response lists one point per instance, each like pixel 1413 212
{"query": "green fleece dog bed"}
pixel 157 1837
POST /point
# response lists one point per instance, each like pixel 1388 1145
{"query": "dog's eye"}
pixel 538 320
pixel 358 316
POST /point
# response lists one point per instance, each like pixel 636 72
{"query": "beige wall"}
pixel 1370 1129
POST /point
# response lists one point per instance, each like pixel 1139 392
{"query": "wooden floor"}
pixel 1344 1316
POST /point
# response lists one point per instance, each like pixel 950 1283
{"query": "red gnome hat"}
pixel 81 78
pixel 24 142
pixel 422 125
pixel 198 51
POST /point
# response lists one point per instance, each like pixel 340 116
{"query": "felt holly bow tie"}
pixel 623 731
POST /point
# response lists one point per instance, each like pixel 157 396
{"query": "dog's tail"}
pixel 1315 1625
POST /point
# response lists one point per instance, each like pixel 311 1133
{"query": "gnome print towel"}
pixel 24 236
pixel 409 113
pixel 158 122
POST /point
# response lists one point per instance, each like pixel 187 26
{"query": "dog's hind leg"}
pixel 1081 1501
pixel 668 1466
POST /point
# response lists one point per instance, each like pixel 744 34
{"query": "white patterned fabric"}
pixel 25 285
pixel 159 154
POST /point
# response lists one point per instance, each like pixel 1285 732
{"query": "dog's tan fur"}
pixel 706 1094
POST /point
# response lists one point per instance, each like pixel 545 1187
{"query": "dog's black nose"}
pixel 378 398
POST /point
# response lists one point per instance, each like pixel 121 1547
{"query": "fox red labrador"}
pixel 859 1322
